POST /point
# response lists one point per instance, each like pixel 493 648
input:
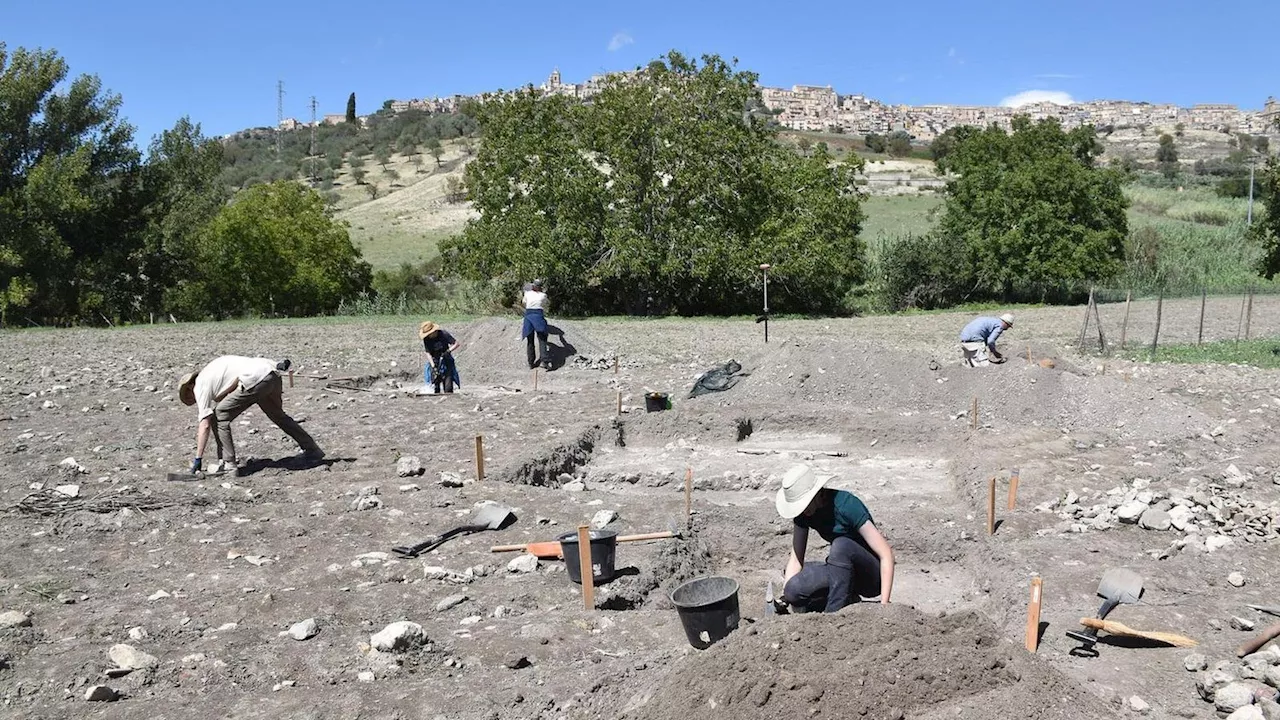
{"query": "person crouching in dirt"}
pixel 440 370
pixel 859 562
pixel 978 340
pixel 224 389
pixel 535 323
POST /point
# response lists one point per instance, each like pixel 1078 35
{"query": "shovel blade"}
pixel 493 517
pixel 1121 584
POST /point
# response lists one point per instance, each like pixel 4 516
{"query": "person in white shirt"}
pixel 535 323
pixel 224 389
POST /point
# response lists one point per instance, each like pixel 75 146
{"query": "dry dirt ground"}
pixel 205 577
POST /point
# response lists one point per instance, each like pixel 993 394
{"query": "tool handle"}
pixel 1252 646
pixel 507 548
pixel 1116 628
pixel 647 536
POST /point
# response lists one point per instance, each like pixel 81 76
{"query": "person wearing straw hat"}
pixel 224 389
pixel 440 371
pixel 859 562
pixel 978 340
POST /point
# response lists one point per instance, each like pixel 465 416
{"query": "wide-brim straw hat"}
pixel 1007 317
pixel 186 388
pixel 427 329
pixel 799 486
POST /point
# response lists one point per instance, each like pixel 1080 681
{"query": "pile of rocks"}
pixel 601 362
pixel 1210 513
pixel 1245 690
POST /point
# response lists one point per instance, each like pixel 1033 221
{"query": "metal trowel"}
pixel 1118 585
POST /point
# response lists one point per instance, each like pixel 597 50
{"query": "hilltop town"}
pixel 823 109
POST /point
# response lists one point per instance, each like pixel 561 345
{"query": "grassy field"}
pixel 893 216
pixel 1257 353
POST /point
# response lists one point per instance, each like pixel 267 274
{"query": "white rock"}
pixel 73 466
pixel 450 601
pixel 398 637
pixel 100 693
pixel 1130 511
pixel 131 658
pixel 1223 674
pixel 158 595
pixel 451 479
pixel 1217 542
pixel 526 563
pixel 1248 712
pixel 365 676
pixel 304 630
pixel 1236 579
pixel 1233 696
pixel 14 618
pixel 409 466
pixel 68 490
pixel 576 486
pixel 1180 516
pixel 412 487
pixel 1139 705
pixel 367 502
pixel 1195 662
pixel 1154 519
pixel 1240 623
pixel 602 518
pixel 137 633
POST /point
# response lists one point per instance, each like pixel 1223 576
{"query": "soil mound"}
pixel 866 661
pixel 877 378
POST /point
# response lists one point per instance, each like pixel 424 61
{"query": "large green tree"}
pixel 275 250
pixel 1032 211
pixel 351 108
pixel 1266 224
pixel 663 194
pixel 69 193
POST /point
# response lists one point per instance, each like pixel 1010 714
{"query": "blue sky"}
pixel 219 63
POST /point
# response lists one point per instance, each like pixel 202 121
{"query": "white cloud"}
pixel 619 41
pixel 1027 97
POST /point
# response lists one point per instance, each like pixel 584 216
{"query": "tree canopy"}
pixel 1031 211
pixel 663 194
pixel 1266 224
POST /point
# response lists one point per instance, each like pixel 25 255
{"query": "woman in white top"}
pixel 535 323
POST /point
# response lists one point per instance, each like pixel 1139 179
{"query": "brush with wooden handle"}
pixel 550 549
pixel 1257 642
pixel 1116 628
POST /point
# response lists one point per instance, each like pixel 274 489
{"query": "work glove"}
pixel 284 365
pixel 195 465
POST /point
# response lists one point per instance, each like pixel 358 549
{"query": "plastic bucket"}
pixel 708 609
pixel 656 402
pixel 604 547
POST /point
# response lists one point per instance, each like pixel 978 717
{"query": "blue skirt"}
pixel 534 321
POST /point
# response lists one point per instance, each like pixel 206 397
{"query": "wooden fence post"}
pixel 1124 327
pixel 1102 336
pixel 1204 294
pixel 1240 322
pixel 1155 339
pixel 1085 327
pixel 1248 314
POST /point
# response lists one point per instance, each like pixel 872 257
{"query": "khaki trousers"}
pixel 268 395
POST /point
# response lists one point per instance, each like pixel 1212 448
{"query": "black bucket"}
pixel 604 547
pixel 708 609
pixel 656 402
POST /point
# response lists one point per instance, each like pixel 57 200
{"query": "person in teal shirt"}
pixel 859 563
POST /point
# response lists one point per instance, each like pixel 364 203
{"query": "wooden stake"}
pixel 991 505
pixel 1248 314
pixel 479 457
pixel 1013 489
pixel 584 567
pixel 1085 327
pixel 619 402
pixel 1033 614
pixel 1102 336
pixel 1028 354
pixel 535 378
pixel 290 378
pixel 1204 295
pixel 1240 322
pixel 1124 327
pixel 973 414
pixel 615 364
pixel 688 498
pixel 1155 339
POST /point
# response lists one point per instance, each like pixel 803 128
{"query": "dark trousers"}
pixel 850 573
pixel 268 395
pixel 541 350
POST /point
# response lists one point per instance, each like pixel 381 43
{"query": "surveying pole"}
pixel 764 268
